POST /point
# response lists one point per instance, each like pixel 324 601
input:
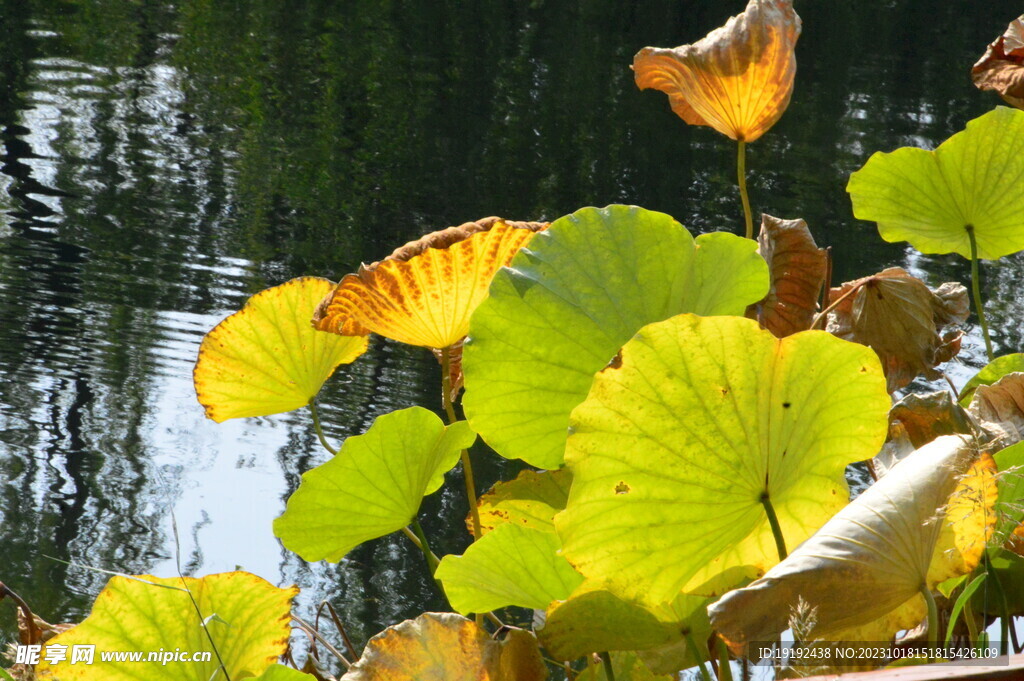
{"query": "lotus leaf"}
pixel 1001 68
pixel 999 407
pixel 448 647
pixel 901 319
pixel 916 420
pixel 426 291
pixel 265 359
pixel 934 198
pixel 373 486
pixel 738 79
pixel 156 614
pixel 990 373
pixel 279 672
pixel 1010 504
pixel 626 666
pixel 797 269
pixel 530 500
pixel 569 302
pixel 696 424
pixel 511 565
pixel 888 542
pixel 593 619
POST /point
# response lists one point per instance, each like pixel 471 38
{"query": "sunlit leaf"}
pixel 530 500
pixel 683 435
pixel 266 359
pixel 797 269
pixel 1010 504
pixel 999 407
pixel 932 198
pixel 737 79
pixel 869 561
pixel 250 628
pixel 448 647
pixel 511 565
pixel 627 666
pixel 279 672
pixel 990 373
pixel 570 301
pixel 426 291
pixel 901 319
pixel 373 486
pixel 595 620
pixel 1001 68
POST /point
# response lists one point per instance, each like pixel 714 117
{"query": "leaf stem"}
pixel 607 660
pixel 316 426
pixel 688 637
pixel 467 464
pixel 976 291
pixel 419 538
pixel 34 636
pixel 933 619
pixel 724 668
pixel 741 180
pixel 773 520
pixel 835 303
pixel 1004 611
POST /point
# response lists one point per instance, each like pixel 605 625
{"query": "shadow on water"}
pixel 163 161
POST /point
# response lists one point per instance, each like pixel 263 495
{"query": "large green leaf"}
pixel 931 198
pixel 511 565
pixel 246 617
pixel 570 300
pixel 866 566
pixel 685 432
pixel 530 500
pixel 373 486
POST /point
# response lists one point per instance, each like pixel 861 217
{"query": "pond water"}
pixel 162 161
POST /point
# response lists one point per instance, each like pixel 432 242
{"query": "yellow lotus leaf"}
pixel 448 647
pixel 425 292
pixel 530 500
pixel 246 616
pixel 971 515
pixel 265 359
pixel 738 79
pixel 1001 68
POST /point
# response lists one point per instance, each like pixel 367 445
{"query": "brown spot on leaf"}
pixel 622 488
pixel 616 362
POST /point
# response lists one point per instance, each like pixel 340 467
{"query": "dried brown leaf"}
pixel 1000 407
pixel 1001 68
pixel 899 317
pixel 797 267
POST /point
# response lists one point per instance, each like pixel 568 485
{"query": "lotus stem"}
pixel 933 620
pixel 724 668
pixel 1004 611
pixel 318 428
pixel 467 465
pixel 741 180
pixel 976 291
pixel 773 520
pixel 835 303
pixel 419 538
pixel 33 634
pixel 608 671
pixel 704 673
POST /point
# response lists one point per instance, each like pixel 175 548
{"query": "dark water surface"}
pixel 163 161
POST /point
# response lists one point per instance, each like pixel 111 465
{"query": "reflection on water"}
pixel 163 161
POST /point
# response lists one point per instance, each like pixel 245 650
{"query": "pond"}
pixel 162 161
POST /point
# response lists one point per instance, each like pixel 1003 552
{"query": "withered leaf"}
pixel 738 79
pixel 797 268
pixel 425 292
pixel 450 647
pixel 899 317
pixel 915 421
pixel 1000 407
pixel 1001 68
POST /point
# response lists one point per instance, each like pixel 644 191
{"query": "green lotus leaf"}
pixel 246 616
pixel 448 647
pixel 530 500
pixel 932 198
pixel 511 565
pixel 990 373
pixel 627 666
pixel 868 563
pixel 373 486
pixel 1010 500
pixel 593 620
pixel 684 434
pixel 570 300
